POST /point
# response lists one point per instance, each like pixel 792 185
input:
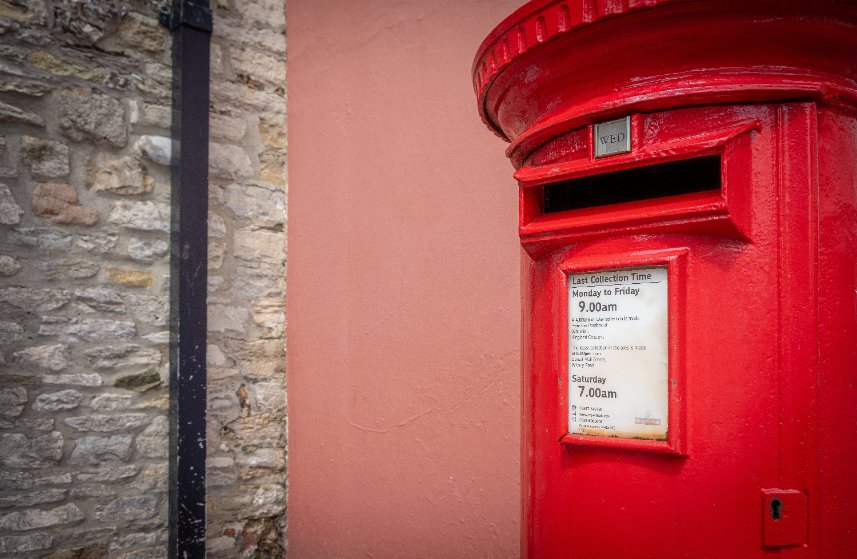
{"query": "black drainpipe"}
pixel 190 23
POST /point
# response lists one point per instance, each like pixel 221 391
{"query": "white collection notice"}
pixel 617 353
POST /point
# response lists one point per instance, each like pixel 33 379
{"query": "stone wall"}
pixel 246 316
pixel 85 90
pixel 84 260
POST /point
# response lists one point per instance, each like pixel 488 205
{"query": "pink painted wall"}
pixel 403 287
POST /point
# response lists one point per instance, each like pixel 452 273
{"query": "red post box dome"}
pixel 554 64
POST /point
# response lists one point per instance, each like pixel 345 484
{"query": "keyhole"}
pixel 776 508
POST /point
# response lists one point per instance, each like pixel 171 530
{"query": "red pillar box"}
pixel 687 206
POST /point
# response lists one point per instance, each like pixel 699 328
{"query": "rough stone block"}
pixel 97 243
pixel 263 207
pixel 56 401
pixel 108 475
pixel 229 162
pixel 9 266
pixel 32 498
pixel 59 203
pixel 51 357
pixel 141 382
pixel 143 216
pixel 46 158
pixel 88 116
pixel 128 509
pixel 153 441
pixel 20 451
pixel 100 299
pixel 11 113
pixel 108 423
pixel 37 518
pixel 13 401
pixel 86 329
pixel 29 299
pixel 118 175
pixel 111 402
pixel 123 356
pixel 147 250
pixel 23 544
pixel 10 211
pixel 95 450
pixel 157 149
pixel 74 379
pixel 131 278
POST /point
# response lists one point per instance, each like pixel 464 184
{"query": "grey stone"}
pixel 152 479
pixel 40 300
pixel 94 492
pixel 268 500
pixel 74 379
pixel 56 401
pixel 159 552
pixel 24 86
pixel 60 479
pixel 32 498
pixel 162 337
pixel 138 539
pixel 101 299
pixel 153 441
pixel 111 402
pixel 9 266
pixel 11 113
pixel 227 127
pixel 142 33
pixel 36 423
pixel 46 158
pixel 10 333
pixel 141 382
pixel 86 26
pixel 264 207
pixel 89 116
pixel 97 243
pixel 227 318
pixel 216 225
pixel 28 542
pixel 229 162
pixel 270 314
pixel 260 246
pixel 86 329
pixel 42 238
pixel 15 480
pixel 13 401
pixel 159 116
pixel 107 423
pixel 20 451
pixel 143 216
pixel 155 148
pixel 51 357
pixel 109 475
pixel 38 518
pixel 128 509
pixel 147 250
pixel 10 211
pixel 151 310
pixel 123 175
pixel 123 356
pixel 68 268
pixel 94 450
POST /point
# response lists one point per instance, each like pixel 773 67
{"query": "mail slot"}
pixel 688 213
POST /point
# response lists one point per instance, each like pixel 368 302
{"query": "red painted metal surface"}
pixel 762 327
